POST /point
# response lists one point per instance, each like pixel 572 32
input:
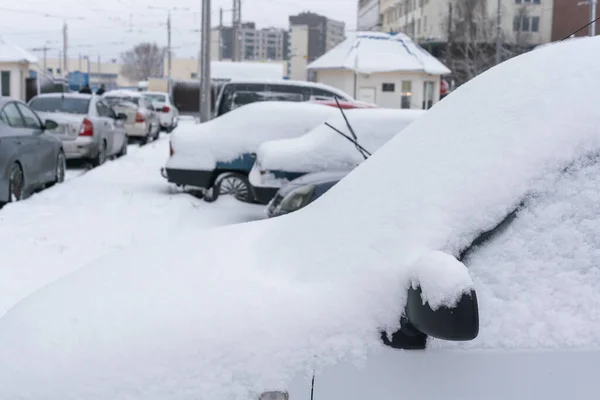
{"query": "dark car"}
pixel 303 191
pixel 30 158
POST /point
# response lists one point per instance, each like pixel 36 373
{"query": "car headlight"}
pixel 274 396
pixel 297 198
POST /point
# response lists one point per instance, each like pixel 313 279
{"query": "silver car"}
pixel 87 126
pixel 30 158
pixel 142 119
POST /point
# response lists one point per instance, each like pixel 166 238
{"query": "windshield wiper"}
pixel 354 139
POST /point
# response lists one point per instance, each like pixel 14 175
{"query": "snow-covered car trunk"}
pixel 69 125
pixel 309 293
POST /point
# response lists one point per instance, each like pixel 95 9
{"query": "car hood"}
pixel 231 312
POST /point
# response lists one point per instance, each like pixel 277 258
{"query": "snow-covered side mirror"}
pixel 441 302
pixel 459 322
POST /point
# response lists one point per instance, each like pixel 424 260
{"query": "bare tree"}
pixel 143 61
pixel 471 30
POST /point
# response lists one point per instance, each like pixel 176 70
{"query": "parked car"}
pixel 142 119
pixel 302 191
pixel 235 93
pixel 30 158
pixel 330 146
pixel 459 262
pixel 219 153
pixel 165 107
pixel 87 125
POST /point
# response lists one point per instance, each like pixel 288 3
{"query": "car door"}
pixel 120 134
pixel 26 144
pixel 107 125
pixel 46 146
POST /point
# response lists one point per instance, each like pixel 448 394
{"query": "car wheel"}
pixel 235 185
pixel 61 167
pixel 16 184
pixel 101 157
pixel 123 150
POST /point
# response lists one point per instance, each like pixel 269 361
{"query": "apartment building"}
pixel 311 35
pixel 523 21
pixel 256 44
pixel 369 15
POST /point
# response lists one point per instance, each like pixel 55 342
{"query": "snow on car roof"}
pixel 231 312
pixel 241 131
pixel 122 93
pixel 324 148
pixel 294 83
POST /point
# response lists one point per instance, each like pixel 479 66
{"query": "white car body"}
pixel 168 113
pixel 266 306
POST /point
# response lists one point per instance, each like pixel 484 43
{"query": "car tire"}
pixel 234 184
pixel 123 150
pixel 16 183
pixel 101 157
pixel 61 167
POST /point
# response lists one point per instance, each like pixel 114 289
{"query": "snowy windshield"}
pixel 67 105
pixel 119 100
pixel 161 98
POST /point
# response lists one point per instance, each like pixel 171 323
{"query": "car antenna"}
pixel 358 147
pixel 580 29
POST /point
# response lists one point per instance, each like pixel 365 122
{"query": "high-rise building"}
pixel 256 44
pixel 311 35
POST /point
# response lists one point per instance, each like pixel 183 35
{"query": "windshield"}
pixel 246 97
pixel 68 105
pixel 117 100
pixel 156 97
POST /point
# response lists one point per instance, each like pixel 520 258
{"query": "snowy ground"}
pixel 96 212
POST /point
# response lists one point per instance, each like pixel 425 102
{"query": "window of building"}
pixel 406 94
pixel 535 24
pixel 522 23
pixel 5 83
pixel 388 87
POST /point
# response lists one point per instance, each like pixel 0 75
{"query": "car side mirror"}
pixel 457 323
pixel 122 117
pixel 50 125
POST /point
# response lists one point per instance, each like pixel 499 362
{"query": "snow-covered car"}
pixel 495 191
pixel 221 152
pixel 330 146
pixel 168 114
pixel 238 93
pixel 302 191
pixel 142 119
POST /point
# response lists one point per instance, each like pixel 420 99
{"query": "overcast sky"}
pixel 112 26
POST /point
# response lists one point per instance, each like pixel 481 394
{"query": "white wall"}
pixel 18 73
pixel 298 52
pixel 344 80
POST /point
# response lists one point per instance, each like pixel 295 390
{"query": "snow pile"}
pixel 246 70
pixel 203 316
pixel 120 204
pixel 323 148
pixel 372 52
pixel 241 131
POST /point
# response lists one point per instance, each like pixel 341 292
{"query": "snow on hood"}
pixel 323 148
pixel 231 312
pixel 372 52
pixel 241 131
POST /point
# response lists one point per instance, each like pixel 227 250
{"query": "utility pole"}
pixel 237 24
pixel 169 89
pixel 592 4
pixel 79 62
pixel 65 47
pixel 205 78
pixel 221 34
pixel 499 34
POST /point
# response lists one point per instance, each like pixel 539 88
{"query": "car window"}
pixel 30 118
pixel 156 97
pixel 3 117
pixel 317 93
pixel 13 116
pixel 69 105
pixel 110 110
pixel 103 109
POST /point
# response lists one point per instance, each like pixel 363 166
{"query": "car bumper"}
pixel 80 148
pixel 263 195
pixel 166 121
pixel 138 130
pixel 186 177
